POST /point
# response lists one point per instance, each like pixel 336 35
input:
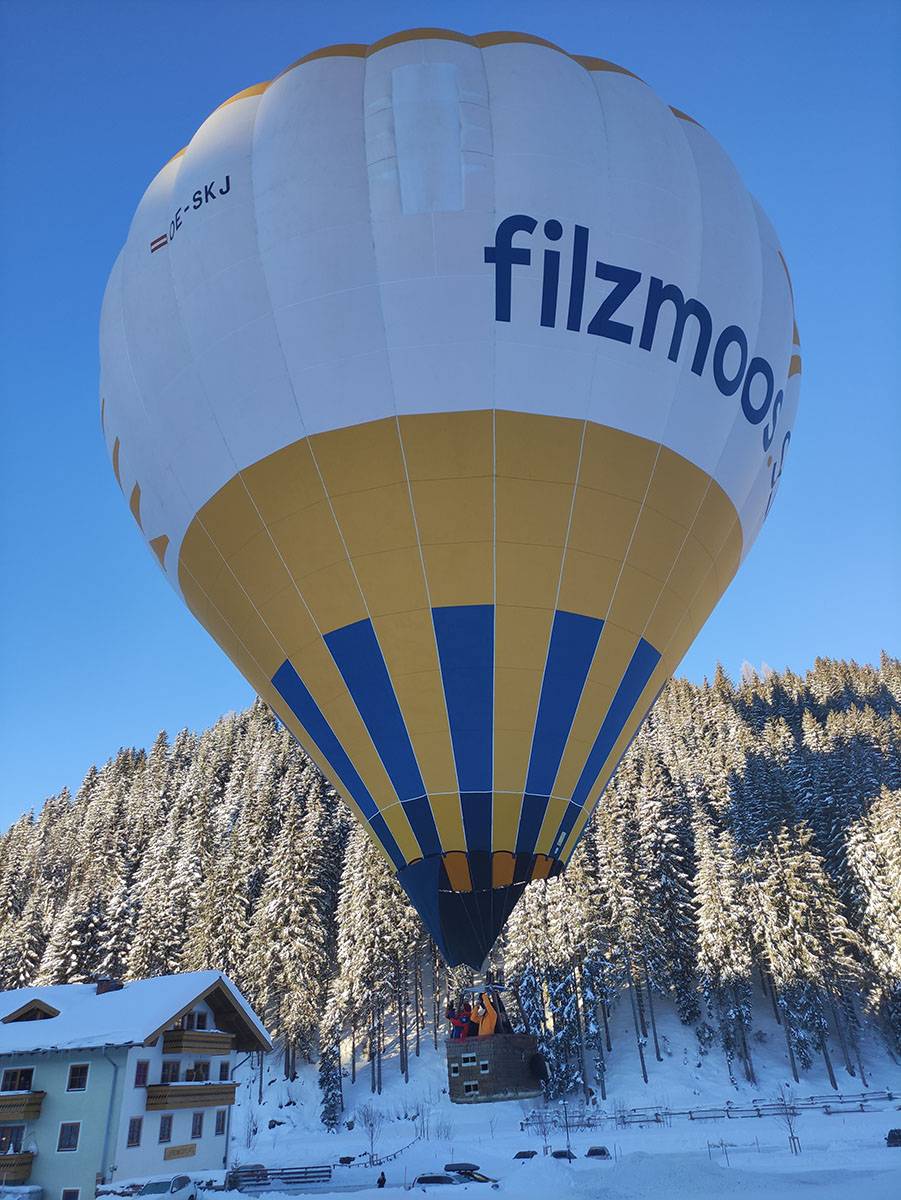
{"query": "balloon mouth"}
pixel 466 921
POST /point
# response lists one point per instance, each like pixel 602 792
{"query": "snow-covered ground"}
pixel 843 1155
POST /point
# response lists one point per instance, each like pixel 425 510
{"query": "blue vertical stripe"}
pixel 465 638
pixel 574 639
pixel 639 671
pixel 530 819
pixel 422 822
pixel 294 692
pixel 476 808
pixel 358 656
pixel 385 836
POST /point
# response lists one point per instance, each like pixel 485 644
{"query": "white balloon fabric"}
pixel 450 379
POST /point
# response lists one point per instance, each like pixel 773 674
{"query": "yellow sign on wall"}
pixel 186 1151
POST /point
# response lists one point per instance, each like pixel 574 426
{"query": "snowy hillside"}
pixel 842 1152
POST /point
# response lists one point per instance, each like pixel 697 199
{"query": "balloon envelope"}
pixel 450 379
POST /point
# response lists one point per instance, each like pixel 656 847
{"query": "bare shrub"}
pixel 372 1119
pixel 788 1117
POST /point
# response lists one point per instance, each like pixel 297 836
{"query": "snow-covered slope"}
pixel 842 1154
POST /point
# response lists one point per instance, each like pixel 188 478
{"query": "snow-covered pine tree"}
pixel 724 956
pixel 23 943
pixel 75 951
pixel 293 930
pixel 330 1082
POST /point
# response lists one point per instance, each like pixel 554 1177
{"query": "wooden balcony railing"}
pixel 165 1096
pixel 20 1106
pixel 15 1168
pixel 197 1041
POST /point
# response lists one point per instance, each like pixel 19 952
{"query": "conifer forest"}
pixel 747 851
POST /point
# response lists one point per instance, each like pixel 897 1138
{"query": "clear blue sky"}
pixel 96 651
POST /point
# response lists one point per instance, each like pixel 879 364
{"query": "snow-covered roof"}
pixel 132 1015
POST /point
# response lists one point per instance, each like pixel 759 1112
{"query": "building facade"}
pixel 103 1082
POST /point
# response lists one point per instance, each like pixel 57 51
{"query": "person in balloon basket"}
pixel 486 1016
pixel 462 1021
pixel 472 1020
pixel 459 1022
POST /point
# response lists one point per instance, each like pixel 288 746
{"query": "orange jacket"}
pixel 488 1019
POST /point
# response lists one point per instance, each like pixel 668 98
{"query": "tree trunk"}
pixel 857 1055
pixel 380 1045
pixel 743 1043
pixel 647 984
pixel 771 992
pixel 639 1004
pixel 636 992
pixel 417 998
pixel 373 1046
pixel 840 1032
pixel 788 1043
pixel 601 1066
pixel 604 1014
pixel 577 990
pixel 399 1013
pixel 824 1049
pixel 436 995
pixel 727 1033
pixel 404 1031
pixel 638 1034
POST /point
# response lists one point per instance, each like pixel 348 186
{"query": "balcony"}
pixel 15 1168
pixel 20 1106
pixel 197 1041
pixel 162 1097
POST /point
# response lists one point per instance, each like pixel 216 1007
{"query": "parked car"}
pixel 436 1179
pixel 182 1187
pixel 893 1137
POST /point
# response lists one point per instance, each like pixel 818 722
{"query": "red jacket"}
pixel 459 1022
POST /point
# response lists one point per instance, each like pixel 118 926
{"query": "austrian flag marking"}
pixel 159 242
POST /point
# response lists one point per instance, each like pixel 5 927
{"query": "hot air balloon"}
pixel 450 379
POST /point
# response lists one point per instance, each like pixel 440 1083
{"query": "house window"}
pixel 471 1089
pixel 199 1072
pixel 68 1135
pixel 483 1067
pixel 220 1121
pixel 201 1020
pixel 166 1127
pixel 170 1071
pixel 17 1080
pixel 11 1139
pixel 197 1125
pixel 468 1060
pixel 455 1068
pixel 78 1077
pixel 142 1072
pixel 188 1020
pixel 134 1131
pixel 224 1071
pixel 70 1194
